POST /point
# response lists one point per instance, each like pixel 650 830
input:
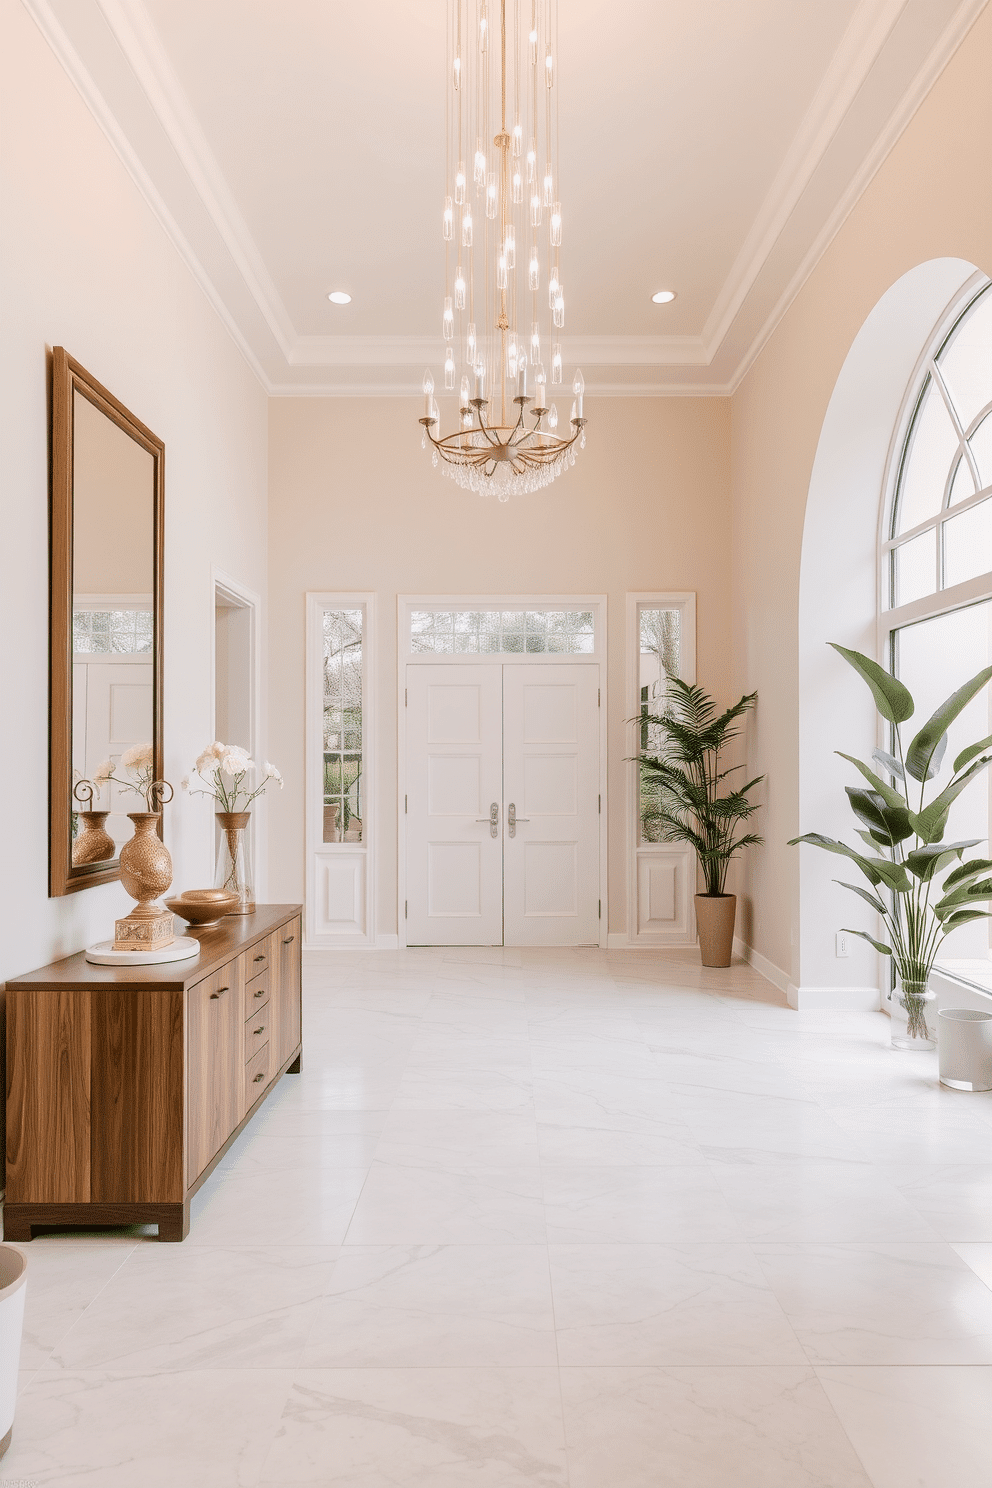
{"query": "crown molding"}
pixel 411 388
pixel 415 351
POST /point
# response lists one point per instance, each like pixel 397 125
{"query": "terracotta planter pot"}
pixel 715 915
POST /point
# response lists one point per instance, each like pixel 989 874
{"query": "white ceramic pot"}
pixel 13 1289
pixel 965 1049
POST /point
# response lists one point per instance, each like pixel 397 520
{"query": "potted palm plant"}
pixel 690 803
pixel 904 834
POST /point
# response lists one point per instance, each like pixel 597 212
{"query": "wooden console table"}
pixel 126 1085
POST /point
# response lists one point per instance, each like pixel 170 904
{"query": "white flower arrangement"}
pixel 222 771
pixel 138 764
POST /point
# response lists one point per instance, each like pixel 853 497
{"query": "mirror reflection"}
pixel 113 558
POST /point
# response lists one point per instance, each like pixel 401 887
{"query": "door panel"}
pixel 551 775
pixel 454 765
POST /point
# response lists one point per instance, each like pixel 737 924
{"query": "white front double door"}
pixel 503 804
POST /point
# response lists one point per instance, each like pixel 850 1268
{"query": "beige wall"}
pixel 356 505
pixel 87 266
pixel 928 201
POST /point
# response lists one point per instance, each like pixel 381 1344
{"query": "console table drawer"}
pixel 256 1033
pixel 257 1076
pixel 257 993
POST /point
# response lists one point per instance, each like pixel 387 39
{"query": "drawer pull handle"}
pixel 259 1030
pixel 260 992
pixel 220 992
pixel 289 940
pixel 259 958
pixel 259 1076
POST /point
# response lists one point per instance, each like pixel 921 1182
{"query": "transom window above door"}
pixel 493 632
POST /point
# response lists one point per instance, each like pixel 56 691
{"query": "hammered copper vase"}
pixel 146 866
pixel 234 860
pixel 94 844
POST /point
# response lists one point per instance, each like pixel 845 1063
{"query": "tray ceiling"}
pixel 711 147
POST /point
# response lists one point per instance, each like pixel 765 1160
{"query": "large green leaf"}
pixel 892 699
pixel 893 874
pixel 964 894
pixel 878 944
pixel 926 743
pixel 964 917
pixel 926 862
pixel 931 821
pixel 973 869
pixel 889 762
pixel 890 797
pixel 970 752
pixel 817 839
pixel 864 894
pixel 891 822
pixel 871 839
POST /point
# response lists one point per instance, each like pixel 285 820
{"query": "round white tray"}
pixel 103 953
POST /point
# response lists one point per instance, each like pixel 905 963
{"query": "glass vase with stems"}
pixel 907 854
pixel 223 772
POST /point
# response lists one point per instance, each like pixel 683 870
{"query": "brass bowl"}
pixel 203 907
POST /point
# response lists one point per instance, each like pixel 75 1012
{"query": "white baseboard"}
pixel 768 969
pixel 833 999
pixel 387 942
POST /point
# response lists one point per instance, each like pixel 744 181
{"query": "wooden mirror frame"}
pixel 68 378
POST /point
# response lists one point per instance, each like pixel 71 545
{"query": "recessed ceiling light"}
pixel 339 297
pixel 663 296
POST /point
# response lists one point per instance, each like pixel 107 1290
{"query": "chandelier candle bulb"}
pixel 556 225
pixel 534 270
pixel 447 220
pixel 460 184
pixel 428 385
pixel 464 393
pixel 578 388
pixel 459 289
pixel 448 319
pixel 449 371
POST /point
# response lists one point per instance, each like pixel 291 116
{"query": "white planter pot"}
pixel 965 1048
pixel 13 1289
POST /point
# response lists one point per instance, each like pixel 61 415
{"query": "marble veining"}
pixel 544 1219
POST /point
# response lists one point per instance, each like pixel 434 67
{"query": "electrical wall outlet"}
pixel 843 943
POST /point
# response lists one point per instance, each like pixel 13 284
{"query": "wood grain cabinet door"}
pixel 214 1065
pixel 288 1026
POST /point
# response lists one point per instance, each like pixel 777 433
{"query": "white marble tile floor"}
pixel 544 1219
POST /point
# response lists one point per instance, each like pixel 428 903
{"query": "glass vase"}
pixel 234 866
pixel 914 1016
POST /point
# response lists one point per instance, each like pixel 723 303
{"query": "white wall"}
pixel 87 266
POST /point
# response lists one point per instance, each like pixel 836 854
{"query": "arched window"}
pixel 935 620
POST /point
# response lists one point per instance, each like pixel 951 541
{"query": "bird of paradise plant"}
pixel 904 833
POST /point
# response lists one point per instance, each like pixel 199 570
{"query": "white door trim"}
pixel 360 854
pixel 685 602
pixel 597 603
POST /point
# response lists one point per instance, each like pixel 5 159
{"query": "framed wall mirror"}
pixel 107 530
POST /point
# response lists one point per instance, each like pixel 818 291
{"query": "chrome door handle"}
pixel 492 819
pixel 513 820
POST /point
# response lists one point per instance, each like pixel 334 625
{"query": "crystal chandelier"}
pixel 502 239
